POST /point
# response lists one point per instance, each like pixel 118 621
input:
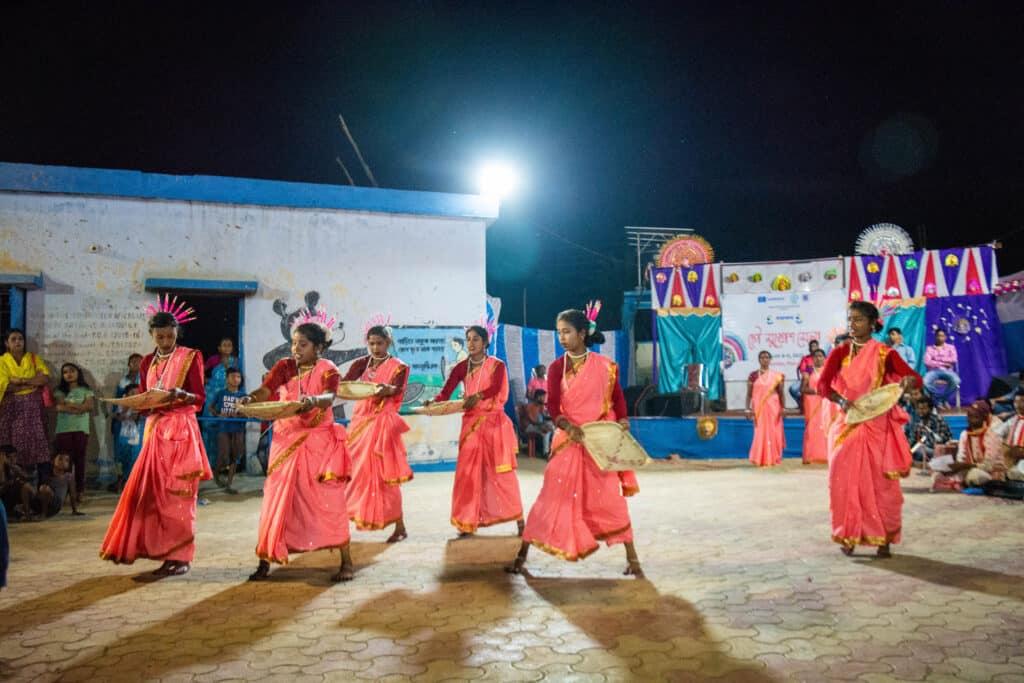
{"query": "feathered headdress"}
pixel 378 319
pixel 181 311
pixel 593 308
pixel 316 317
pixel 489 324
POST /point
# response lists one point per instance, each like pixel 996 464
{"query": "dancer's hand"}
pixel 471 401
pixel 575 433
pixel 244 400
pixel 624 423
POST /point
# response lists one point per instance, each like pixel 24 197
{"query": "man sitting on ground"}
pixel 979 458
pixel 1013 442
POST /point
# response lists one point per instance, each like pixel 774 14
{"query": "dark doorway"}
pixel 5 312
pixel 216 318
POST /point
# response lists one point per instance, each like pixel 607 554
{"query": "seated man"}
pixel 1013 442
pixel 940 381
pixel 929 430
pixel 534 423
pixel 905 350
pixel 16 490
pixel 979 458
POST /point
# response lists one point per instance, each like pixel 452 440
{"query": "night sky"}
pixel 777 131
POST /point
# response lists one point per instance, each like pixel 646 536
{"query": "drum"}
pixel 440 408
pixel 147 400
pixel 873 404
pixel 612 447
pixel 271 410
pixel 356 391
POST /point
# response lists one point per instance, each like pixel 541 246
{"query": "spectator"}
pixel 979 458
pixel 231 437
pixel 538 382
pixel 75 402
pixel 805 367
pixel 905 351
pixel 216 367
pixel 535 423
pixel 1002 407
pixel 1014 440
pixel 128 442
pixel 929 430
pixel 23 377
pixel 940 380
pixel 130 377
pixel 55 490
pixel 16 490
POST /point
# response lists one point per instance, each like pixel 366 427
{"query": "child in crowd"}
pixel 128 441
pixel 929 431
pixel 231 436
pixel 535 423
pixel 59 487
pixel 131 377
pixel 75 403
pixel 16 490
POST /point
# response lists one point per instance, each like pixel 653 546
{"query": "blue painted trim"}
pixel 17 308
pixel 22 280
pixel 243 287
pixel 197 188
pixel 441 466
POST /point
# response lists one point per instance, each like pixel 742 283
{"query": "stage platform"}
pixel 664 436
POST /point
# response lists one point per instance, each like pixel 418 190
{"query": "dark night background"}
pixel 777 131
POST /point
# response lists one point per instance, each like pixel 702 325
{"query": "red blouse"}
pixel 193 383
pixel 459 374
pixel 285 371
pixel 894 365
pixel 356 370
pixel 555 372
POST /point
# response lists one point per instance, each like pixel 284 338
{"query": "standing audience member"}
pixel 940 359
pixel 803 368
pixel 231 437
pixel 128 442
pixel 130 377
pixel 535 424
pixel 539 381
pixel 75 402
pixel 216 367
pixel 905 350
pixel 817 414
pixel 23 379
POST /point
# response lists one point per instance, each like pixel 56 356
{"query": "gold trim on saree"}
pixel 476 425
pixel 851 541
pixel 397 482
pixel 605 534
pixel 287 453
pixel 467 527
pixel 630 491
pixel 562 555
pixel 363 525
pixel 191 475
pixel 284 560
pixel 354 435
pixel 331 476
pixel 613 372
pixel 766 397
pixel 110 557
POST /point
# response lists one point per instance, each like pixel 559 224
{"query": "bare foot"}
pixel 261 573
pixel 164 569
pixel 517 566
pixel 345 573
pixel 179 569
pixel 397 537
pixel 634 569
pixel 464 534
pixel 846 550
pixel 883 551
pixel 520 524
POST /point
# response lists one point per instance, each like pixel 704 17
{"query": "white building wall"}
pixel 95 254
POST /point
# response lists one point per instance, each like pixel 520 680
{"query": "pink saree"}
pixel 579 504
pixel 769 439
pixel 866 459
pixel 379 465
pixel 155 517
pixel 304 505
pixel 816 423
pixel 486 488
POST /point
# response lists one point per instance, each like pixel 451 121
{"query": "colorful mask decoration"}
pixel 691 276
pixel 782 283
pixel 873 267
pixel 952 261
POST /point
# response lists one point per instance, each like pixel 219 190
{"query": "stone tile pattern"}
pixel 743 585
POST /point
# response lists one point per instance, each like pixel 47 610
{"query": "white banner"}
pixel 782 323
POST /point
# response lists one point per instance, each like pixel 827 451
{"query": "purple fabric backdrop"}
pixel 973 328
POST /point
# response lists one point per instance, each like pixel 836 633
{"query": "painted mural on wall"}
pixel 431 353
pixel 334 354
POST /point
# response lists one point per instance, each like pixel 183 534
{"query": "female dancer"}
pixel 486 489
pixel 579 504
pixel 156 514
pixel 764 393
pixel 379 466
pixel 816 420
pixel 866 460
pixel 304 506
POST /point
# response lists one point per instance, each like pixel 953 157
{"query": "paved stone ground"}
pixel 743 585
